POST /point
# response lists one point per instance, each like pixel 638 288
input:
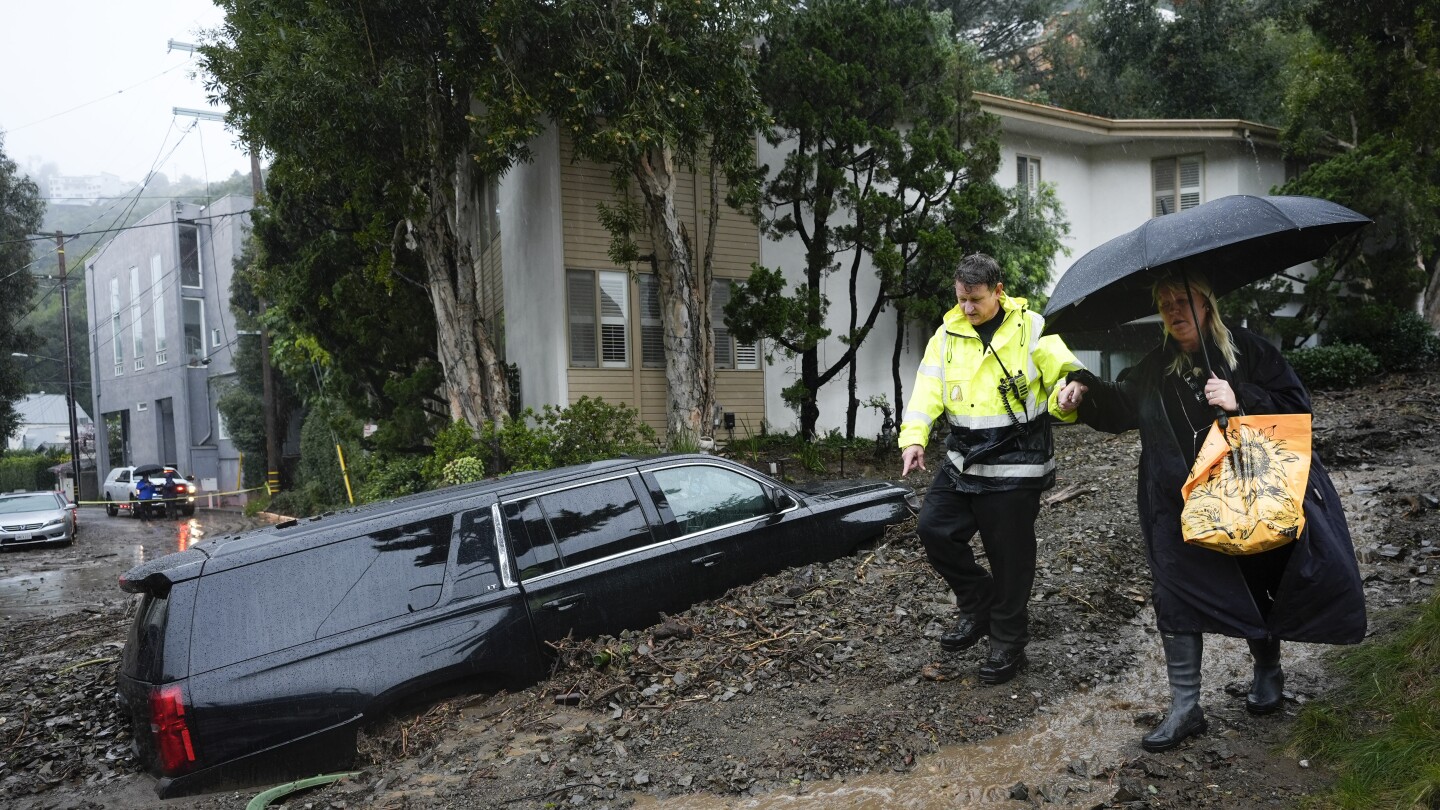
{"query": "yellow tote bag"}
pixel 1246 490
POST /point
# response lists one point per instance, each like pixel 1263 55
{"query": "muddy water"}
pixel 1062 753
pixel 37 582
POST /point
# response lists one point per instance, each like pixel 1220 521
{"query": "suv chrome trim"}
pixel 502 546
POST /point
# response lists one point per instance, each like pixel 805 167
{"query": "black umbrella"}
pixel 1233 241
pixel 146 470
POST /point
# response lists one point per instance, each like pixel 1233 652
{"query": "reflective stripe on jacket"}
pixel 997 441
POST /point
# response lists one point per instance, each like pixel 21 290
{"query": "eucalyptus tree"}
pixel 380 95
pixel 889 168
pixel 653 89
pixel 21 215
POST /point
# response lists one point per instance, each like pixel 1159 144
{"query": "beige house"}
pixel 576 324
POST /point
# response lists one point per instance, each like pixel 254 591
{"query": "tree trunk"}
pixel 895 365
pixel 684 303
pixel 447 236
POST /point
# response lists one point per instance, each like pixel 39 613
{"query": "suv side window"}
pixel 123 477
pixel 703 497
pixel 597 520
pixel 530 539
pixel 477 569
pixel 405 575
pixel 336 587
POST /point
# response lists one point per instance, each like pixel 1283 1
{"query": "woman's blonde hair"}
pixel 1218 333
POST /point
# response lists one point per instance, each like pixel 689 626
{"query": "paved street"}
pixel 37 582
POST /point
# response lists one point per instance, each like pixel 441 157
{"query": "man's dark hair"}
pixel 977 268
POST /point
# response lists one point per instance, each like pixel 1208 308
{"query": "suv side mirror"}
pixel 784 501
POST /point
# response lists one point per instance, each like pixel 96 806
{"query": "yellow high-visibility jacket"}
pixel 999 399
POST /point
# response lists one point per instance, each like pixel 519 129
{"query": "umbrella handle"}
pixel 1222 418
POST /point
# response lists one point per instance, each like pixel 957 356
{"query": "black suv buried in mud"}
pixel 256 657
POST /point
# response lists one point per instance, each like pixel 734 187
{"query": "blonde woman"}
pixel 1308 590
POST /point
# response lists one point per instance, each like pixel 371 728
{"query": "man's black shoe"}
pixel 1002 665
pixel 967 631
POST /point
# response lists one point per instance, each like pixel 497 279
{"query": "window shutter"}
pixel 1027 173
pixel 614 304
pixel 724 347
pixel 1189 182
pixel 1163 182
pixel 581 288
pixel 652 338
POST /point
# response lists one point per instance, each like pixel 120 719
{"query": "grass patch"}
pixel 1380 732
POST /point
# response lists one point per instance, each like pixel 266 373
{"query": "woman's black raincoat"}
pixel 1202 591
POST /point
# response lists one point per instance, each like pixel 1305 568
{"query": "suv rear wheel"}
pixel 110 508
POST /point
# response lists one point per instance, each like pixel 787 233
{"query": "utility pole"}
pixel 69 365
pixel 267 386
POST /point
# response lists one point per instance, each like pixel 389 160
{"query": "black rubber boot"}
pixel 1185 718
pixel 1267 691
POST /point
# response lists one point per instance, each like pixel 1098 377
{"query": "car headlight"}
pixel 190 488
pixel 55 521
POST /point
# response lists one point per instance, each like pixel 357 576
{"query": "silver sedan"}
pixel 28 518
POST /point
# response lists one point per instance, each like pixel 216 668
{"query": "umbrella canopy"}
pixel 147 470
pixel 1233 241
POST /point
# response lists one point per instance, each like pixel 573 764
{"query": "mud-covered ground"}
pixel 825 686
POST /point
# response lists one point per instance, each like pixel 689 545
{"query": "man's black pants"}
pixel 1006 523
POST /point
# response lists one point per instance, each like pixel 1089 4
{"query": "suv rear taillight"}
pixel 172 734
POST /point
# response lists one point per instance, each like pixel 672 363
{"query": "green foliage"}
pixel 21 213
pixel 27 470
pixel 464 470
pixel 1211 59
pixel 589 430
pixel 1399 338
pixel 449 445
pixel 1377 732
pixel 388 477
pixel 1360 118
pixel 244 415
pixel 1341 365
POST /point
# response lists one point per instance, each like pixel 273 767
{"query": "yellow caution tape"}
pixel 197 496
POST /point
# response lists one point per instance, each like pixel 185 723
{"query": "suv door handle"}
pixel 709 560
pixel 564 603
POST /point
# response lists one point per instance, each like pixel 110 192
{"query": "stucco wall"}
pixel 532 264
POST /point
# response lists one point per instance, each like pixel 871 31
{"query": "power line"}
pixel 39 238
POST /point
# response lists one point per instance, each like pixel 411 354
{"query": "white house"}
pixel 575 324
pixel 45 423
pixel 1110 176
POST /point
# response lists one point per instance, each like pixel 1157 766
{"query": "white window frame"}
pixel 221 430
pixel 608 325
pixel 1027 173
pixel 157 307
pixel 116 347
pixel 199 263
pixel 137 324
pixel 729 353
pixel 1177 183
pixel 199 303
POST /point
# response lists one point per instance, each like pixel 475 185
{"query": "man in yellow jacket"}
pixel 991 375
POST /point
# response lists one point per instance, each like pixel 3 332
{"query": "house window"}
pixel 189 255
pixel 222 431
pixel 116 346
pixel 1176 184
pixel 599 313
pixel 137 326
pixel 192 323
pixel 652 335
pixel 729 353
pixel 1027 174
pixel 157 308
